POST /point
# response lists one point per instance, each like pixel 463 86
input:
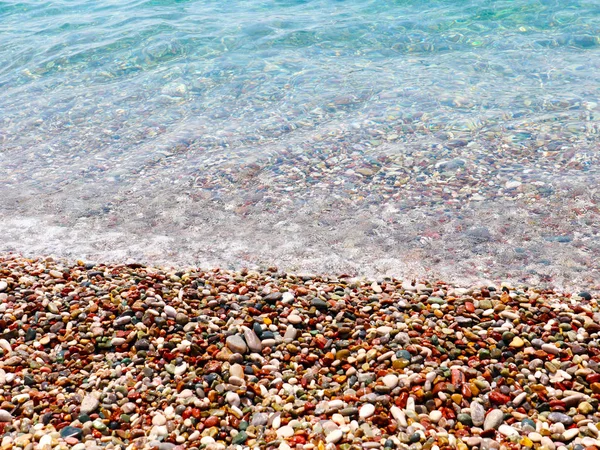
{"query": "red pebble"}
pixel 212 421
pixel 458 377
pixel 297 440
pixel 593 378
pixel 499 398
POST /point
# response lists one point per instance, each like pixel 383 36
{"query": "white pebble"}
pixel 334 436
pixel 435 416
pixel 159 420
pixel 507 430
pixel 390 381
pixel 571 433
pixel 285 432
pixel 366 410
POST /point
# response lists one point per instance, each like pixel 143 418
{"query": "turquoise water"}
pixel 444 138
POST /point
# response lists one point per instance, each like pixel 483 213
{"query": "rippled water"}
pixel 453 139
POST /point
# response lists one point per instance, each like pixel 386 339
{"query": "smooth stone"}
pixel 285 432
pixel 180 369
pixel 334 437
pixel 414 438
pixel 294 319
pixel 535 437
pixel 273 297
pixel 181 319
pixel 493 420
pixel 390 381
pixel 89 404
pixel 435 416
pixel 122 321
pixel 570 434
pixel 384 330
pixel 70 431
pixel 170 311
pixel 3 286
pixel 472 441
pixel 548 443
pixel 252 340
pixel 399 416
pixel 477 413
pixel 259 419
pixel 117 341
pixel 560 418
pixel 519 398
pixel 287 297
pixel 159 420
pixel 551 348
pixel 233 399
pixel 507 430
pixel 290 333
pixel 573 399
pixel 5 416
pixel 585 408
pixel 45 441
pixel 366 411
pixel 517 342
pixel 236 370
pixel 239 438
pixel 319 304
pixel 128 408
pixel 142 345
pixel 349 411
pixel 237 344
pixel 465 419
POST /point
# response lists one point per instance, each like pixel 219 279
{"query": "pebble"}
pixel 390 381
pixel 477 413
pixel 335 436
pixel 570 434
pixel 366 411
pixel 236 344
pixel 159 420
pixel 493 419
pixel 435 416
pixel 203 349
pixel 507 430
pixel 550 348
pixel 252 340
pixel 294 319
pixel 560 418
pixel 89 404
pixel 285 432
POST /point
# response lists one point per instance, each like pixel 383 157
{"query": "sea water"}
pixel 454 139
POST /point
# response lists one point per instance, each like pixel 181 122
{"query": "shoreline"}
pixel 130 356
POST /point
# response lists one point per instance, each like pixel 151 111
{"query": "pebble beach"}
pixel 127 356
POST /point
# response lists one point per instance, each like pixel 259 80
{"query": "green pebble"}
pixel 239 438
pixel 585 408
pixel 508 336
pixel 465 419
pixel 99 425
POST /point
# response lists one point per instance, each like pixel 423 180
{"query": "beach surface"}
pixel 127 356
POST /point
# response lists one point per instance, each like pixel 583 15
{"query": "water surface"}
pixel 453 139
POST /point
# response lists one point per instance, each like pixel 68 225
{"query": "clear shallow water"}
pixel 446 139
